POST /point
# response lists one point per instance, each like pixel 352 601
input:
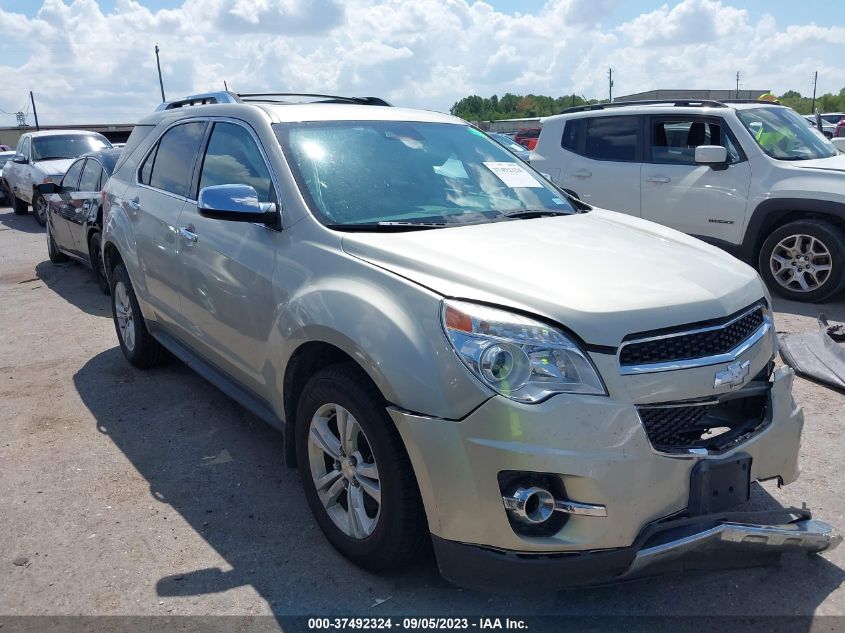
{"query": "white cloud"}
pixel 87 66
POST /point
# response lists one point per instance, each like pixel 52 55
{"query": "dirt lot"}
pixel 131 492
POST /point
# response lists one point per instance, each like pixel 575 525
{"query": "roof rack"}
pixel 758 101
pixel 208 98
pixel 679 103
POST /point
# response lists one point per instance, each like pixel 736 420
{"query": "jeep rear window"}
pixel 371 172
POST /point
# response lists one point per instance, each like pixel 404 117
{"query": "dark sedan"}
pixel 75 212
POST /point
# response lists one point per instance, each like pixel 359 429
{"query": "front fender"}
pixel 391 327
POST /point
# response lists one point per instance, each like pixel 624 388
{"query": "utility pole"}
pixel 34 112
pixel 225 85
pixel 610 85
pixel 815 81
pixel 160 82
pixel 737 84
pixel 21 116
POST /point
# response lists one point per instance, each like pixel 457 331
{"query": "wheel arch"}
pixel 308 359
pixel 774 213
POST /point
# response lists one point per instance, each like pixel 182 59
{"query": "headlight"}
pixel 518 357
pixel 53 179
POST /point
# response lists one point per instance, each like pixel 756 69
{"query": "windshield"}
pixel 508 143
pixel 66 146
pixel 783 134
pixel 366 173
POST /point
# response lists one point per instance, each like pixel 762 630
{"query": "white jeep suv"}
pixel 750 177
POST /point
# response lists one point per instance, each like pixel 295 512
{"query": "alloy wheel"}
pixel 124 315
pixel 801 263
pixel 344 471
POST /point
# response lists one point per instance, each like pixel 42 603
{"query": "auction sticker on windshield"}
pixel 513 175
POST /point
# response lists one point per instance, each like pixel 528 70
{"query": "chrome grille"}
pixel 712 340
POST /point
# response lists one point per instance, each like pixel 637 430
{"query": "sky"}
pixel 92 61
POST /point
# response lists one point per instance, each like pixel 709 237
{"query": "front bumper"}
pixel 704 542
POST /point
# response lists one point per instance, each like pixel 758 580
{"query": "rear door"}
pixel 164 180
pixel 605 168
pixel 702 200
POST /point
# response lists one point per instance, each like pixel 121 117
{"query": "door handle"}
pixel 658 179
pixel 582 173
pixel 134 204
pixel 186 233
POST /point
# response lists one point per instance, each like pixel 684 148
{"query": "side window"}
pixel 612 138
pixel 673 141
pixel 72 177
pixel 25 147
pixel 90 176
pixel 174 158
pixel 573 133
pixel 233 158
pixel 147 168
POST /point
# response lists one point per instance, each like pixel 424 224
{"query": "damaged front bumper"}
pixel 704 542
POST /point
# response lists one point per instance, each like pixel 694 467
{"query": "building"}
pixel 715 95
pixel 115 132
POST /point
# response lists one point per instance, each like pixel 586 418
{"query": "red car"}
pixel 527 137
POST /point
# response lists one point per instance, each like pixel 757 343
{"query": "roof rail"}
pixel 200 99
pixel 679 103
pixel 320 98
pixel 759 101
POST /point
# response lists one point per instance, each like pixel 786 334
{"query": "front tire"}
pixel 138 345
pixel 804 260
pixel 357 476
pixel 98 264
pixel 39 209
pixel 19 206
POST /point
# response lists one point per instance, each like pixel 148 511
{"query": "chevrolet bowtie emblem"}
pixel 733 375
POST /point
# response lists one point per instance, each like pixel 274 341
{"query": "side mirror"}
pixel 711 155
pixel 46 188
pixel 20 159
pixel 236 203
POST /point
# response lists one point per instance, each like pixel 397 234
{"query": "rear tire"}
pixel 138 345
pixel 53 252
pixel 39 209
pixel 390 527
pixel 98 264
pixel 804 260
pixel 19 206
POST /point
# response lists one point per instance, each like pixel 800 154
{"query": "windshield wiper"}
pixel 527 214
pixel 387 227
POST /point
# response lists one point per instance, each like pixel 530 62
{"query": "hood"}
pixel 832 163
pixel 51 167
pixel 601 274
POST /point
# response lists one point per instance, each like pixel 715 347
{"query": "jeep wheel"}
pixel 19 206
pixel 357 475
pixel 39 209
pixel 138 345
pixel 98 264
pixel 804 260
pixel 53 252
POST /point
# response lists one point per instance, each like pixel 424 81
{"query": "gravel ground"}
pixel 125 492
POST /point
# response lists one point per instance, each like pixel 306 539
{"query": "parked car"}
pixel 827 127
pixel 43 157
pixel 527 137
pixel 751 178
pixel 4 148
pixel 5 156
pixel 453 347
pixel 75 212
pixel 512 146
